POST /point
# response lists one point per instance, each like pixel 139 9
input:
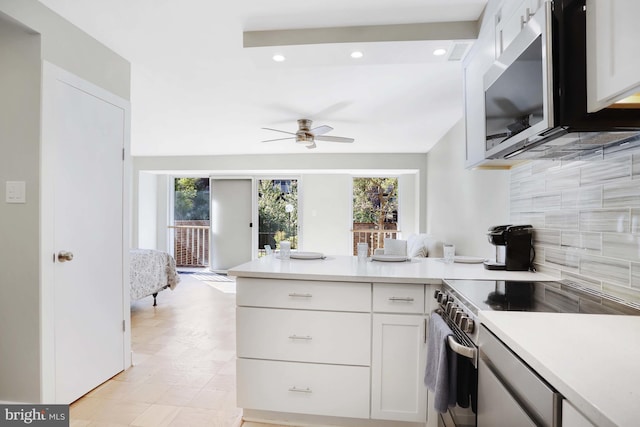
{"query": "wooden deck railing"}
pixel 191 245
pixel 373 237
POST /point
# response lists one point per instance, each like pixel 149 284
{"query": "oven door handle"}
pixel 468 352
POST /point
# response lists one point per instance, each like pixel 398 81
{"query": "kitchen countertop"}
pixel 348 268
pixel 592 360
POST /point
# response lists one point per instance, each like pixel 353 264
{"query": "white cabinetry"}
pixel 572 418
pixel 304 347
pixel 399 353
pixel 613 52
pixel 510 20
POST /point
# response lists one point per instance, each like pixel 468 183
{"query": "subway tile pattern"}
pixel 586 217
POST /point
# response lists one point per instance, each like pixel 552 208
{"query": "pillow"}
pixel 416 246
pixel 395 247
pixel 434 248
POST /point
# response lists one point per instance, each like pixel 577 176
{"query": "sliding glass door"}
pixel 277 213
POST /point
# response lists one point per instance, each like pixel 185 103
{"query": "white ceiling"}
pixel 196 90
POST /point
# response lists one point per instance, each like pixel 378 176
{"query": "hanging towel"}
pixel 440 373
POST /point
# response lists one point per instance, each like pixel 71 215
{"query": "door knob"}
pixel 64 256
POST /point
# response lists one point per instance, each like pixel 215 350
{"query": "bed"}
pixel 150 272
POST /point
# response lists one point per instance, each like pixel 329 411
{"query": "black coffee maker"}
pixel 514 247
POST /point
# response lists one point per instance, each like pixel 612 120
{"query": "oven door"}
pixel 464 413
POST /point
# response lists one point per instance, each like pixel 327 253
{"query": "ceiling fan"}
pixel 307 136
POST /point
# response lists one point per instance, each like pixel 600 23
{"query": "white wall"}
pixel 462 204
pixel 147 206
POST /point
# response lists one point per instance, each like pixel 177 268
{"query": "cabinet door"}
pixel 496 406
pixel 510 25
pixel 613 53
pixel 397 368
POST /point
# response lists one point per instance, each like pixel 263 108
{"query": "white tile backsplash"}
pixel 586 217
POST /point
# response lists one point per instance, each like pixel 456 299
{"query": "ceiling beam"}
pixel 459 30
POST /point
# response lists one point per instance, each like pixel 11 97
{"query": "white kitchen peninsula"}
pixel 312 335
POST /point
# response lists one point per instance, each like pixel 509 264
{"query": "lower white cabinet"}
pixel 304 336
pixel 332 349
pixel 303 388
pixel 399 353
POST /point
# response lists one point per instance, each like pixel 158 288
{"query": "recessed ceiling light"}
pixel 357 54
pixel 278 58
pixel 439 52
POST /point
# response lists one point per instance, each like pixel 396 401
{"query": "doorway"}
pixel 191 221
pixel 85 132
pixel 277 213
pixel 375 211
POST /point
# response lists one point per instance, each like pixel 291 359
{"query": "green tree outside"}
pixel 191 199
pixel 375 200
pixel 277 212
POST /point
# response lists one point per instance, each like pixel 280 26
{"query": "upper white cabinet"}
pixel 510 20
pixel 613 52
pixel 501 23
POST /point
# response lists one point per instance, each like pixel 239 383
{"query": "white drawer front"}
pixel 398 298
pixel 303 294
pixel 305 388
pixel 304 336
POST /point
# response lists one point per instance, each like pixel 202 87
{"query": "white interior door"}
pixel 231 222
pixel 84 132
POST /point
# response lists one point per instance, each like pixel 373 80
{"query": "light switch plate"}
pixel 16 192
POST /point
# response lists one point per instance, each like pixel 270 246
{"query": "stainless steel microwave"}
pixel 535 93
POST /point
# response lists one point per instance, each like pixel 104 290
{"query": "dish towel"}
pixel 440 373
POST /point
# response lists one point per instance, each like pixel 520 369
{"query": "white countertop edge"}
pixel 347 268
pixel 600 411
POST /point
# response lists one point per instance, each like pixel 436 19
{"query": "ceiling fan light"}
pixel 356 54
pixel 278 57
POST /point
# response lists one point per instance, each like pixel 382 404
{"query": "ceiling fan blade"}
pixel 312 145
pixel 282 131
pixel 278 139
pixel 334 138
pixel 321 130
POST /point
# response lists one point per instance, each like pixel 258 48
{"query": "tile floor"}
pixel 184 365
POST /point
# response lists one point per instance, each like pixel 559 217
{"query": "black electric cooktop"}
pixel 555 297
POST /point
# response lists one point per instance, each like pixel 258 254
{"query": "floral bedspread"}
pixel 150 272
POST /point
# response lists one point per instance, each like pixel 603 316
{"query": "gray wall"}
pixel 30 32
pixel 462 204
pixel 586 217
pixel 19 224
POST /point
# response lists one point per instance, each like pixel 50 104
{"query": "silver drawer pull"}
pixel 300 390
pixel 297 337
pixel 296 295
pixel 405 299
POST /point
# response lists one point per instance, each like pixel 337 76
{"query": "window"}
pixel 375 211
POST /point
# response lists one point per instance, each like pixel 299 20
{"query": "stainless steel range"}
pixel 538 403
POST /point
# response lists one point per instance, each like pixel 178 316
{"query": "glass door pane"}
pixel 191 222
pixel 277 213
pixel 375 211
